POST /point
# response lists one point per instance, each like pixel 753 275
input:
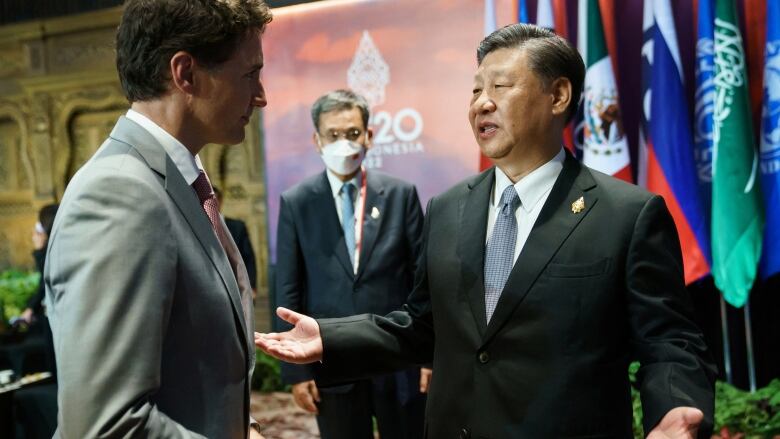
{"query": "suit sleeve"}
pixel 366 345
pixel 290 283
pixel 676 368
pixel 110 280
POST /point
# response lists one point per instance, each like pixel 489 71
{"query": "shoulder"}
pixel 389 181
pixel 460 190
pixel 306 188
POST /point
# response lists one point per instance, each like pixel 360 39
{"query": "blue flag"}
pixel 522 11
pixel 770 143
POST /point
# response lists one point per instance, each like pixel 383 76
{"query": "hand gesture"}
pixel 302 344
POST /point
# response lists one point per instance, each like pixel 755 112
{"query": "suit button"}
pixel 483 357
pixel 464 433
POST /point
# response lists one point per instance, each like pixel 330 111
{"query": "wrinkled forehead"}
pixel 502 62
pixel 340 119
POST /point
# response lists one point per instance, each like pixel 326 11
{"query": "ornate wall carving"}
pixel 59 100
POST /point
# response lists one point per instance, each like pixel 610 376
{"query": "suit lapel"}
pixel 376 201
pixel 471 244
pixel 187 201
pixel 332 231
pixel 555 223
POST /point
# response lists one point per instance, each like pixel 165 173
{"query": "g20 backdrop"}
pixel 412 60
pixel 669 84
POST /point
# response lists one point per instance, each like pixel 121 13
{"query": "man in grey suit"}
pixel 540 281
pixel 149 301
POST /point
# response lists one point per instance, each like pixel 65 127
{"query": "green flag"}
pixel 737 216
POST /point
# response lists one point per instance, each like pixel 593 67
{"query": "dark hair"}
pixel 46 217
pixel 152 31
pixel 339 100
pixel 549 56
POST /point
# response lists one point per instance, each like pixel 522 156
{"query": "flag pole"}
pixel 749 346
pixel 724 328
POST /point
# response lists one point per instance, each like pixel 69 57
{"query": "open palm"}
pixel 302 344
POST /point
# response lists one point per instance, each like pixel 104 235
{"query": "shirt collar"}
pixel 189 165
pixel 336 183
pixel 533 186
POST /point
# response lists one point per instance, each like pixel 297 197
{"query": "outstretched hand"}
pixel 302 344
pixel 679 422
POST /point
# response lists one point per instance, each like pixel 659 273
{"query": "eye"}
pixel 252 74
pixel 476 91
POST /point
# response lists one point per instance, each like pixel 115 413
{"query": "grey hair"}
pixel 339 100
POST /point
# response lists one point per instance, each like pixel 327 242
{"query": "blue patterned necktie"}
pixel 500 251
pixel 348 218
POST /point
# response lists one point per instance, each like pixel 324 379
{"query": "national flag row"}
pixel 720 180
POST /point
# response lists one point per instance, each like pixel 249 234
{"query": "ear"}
pixel 182 72
pixel 560 93
pixel 315 141
pixel 370 138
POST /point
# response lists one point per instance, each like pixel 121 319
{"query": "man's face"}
pixel 229 93
pixel 510 111
pixel 342 124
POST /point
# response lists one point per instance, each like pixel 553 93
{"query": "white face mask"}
pixel 343 156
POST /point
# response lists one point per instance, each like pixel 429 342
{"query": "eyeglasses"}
pixel 334 135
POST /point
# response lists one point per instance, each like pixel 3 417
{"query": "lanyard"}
pixel 361 213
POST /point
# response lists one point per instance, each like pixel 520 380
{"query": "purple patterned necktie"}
pixel 208 200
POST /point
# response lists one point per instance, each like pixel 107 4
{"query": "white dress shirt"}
pixel 335 186
pixel 189 165
pixel 533 190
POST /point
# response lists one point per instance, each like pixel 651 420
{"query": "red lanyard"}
pixel 361 209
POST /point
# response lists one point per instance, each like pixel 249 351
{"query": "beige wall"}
pixel 59 99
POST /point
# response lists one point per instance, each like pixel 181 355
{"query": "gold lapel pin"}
pixel 374 213
pixel 578 206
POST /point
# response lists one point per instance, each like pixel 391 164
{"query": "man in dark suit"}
pixel 240 235
pixel 541 280
pixel 348 242
pixel 149 300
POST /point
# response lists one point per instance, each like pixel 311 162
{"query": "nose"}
pixel 259 99
pixel 483 104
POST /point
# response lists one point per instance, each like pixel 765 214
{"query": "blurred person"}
pixel 149 300
pixel 540 281
pixel 240 235
pixel 348 242
pixel 40 239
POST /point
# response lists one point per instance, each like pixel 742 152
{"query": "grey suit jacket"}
pixel 152 320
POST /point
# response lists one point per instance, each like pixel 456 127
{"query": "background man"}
pixel 149 301
pixel 348 242
pixel 240 235
pixel 540 281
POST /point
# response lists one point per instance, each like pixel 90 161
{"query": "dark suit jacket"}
pixel 314 274
pixel 590 292
pixel 240 235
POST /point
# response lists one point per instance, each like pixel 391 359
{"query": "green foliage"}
pixel 267 376
pixel 757 415
pixel 635 401
pixel 16 287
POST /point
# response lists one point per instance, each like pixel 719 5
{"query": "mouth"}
pixel 486 129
